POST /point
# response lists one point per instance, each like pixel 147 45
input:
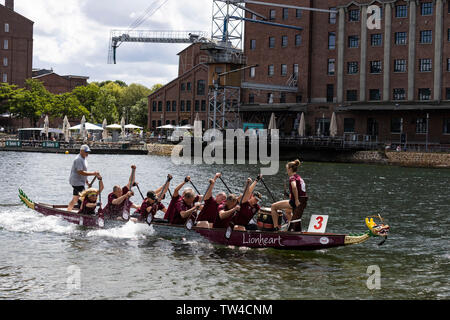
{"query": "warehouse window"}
pixel 203 108
pixel 396 125
pixel 374 94
pixel 159 106
pixel 400 65
pixel 154 106
pixel 271 42
pixel 285 13
pixel 399 94
pixel 298 13
pixel 376 40
pixel 252 44
pixel 375 66
pixel 5 77
pixel 284 41
pixel 426 36
pixel 6 44
pixel 168 106
pixel 352 95
pixel 298 40
pixel 401 11
pixel 252 72
pixel 197 106
pixel 6 27
pixel 353 15
pixel 425 65
pixel 352 67
pixel 5 62
pixel 284 69
pixel 271 70
pixel 421 125
pixel 188 106
pixel 400 38
pixel 182 106
pixel 331 40
pixel 332 16
pixel 331 67
pixel 272 14
pixel 426 8
pixel 201 87
pixel 424 94
pixel 353 41
pixel 174 106
pixel 446 126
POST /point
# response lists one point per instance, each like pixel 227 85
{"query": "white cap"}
pixel 85 148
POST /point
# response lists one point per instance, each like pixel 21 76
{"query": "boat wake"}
pixel 26 221
pixel 130 230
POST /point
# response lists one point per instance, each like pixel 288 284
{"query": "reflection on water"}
pixel 138 262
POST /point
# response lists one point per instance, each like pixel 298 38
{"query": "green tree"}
pixel 67 104
pixel 87 95
pixel 139 113
pixel 105 107
pixel 131 96
pixel 7 96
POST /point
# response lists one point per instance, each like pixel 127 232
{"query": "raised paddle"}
pixel 101 221
pixel 273 198
pixel 194 186
pixel 139 189
pixel 93 180
pixel 231 226
pixel 225 185
pixel 149 219
pixel 125 213
pixel 189 222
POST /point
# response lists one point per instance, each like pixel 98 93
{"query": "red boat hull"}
pixel 278 240
pixel 81 220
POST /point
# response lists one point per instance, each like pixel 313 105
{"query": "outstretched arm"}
pixel 212 182
pixel 132 179
pixel 176 193
pixel 163 189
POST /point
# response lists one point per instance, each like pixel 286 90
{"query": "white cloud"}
pixel 72 37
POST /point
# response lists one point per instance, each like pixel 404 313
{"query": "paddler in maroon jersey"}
pixel 226 211
pixel 89 199
pixel 119 199
pixel 181 207
pixel 297 191
pixel 152 204
pixel 249 206
pixel 208 215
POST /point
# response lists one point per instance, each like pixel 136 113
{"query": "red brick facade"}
pixel 16 46
pixel 379 86
pixel 57 84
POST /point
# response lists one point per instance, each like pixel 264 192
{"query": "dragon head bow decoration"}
pixel 378 230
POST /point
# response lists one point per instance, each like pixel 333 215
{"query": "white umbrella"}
pixel 105 132
pixel 83 128
pixel 272 122
pixel 302 126
pixel 132 126
pixel 66 126
pixel 46 126
pixel 122 126
pixel 87 126
pixel 197 126
pixel 167 126
pixel 114 127
pixel 333 126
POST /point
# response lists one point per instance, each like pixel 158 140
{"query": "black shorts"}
pixel 77 190
pixel 292 204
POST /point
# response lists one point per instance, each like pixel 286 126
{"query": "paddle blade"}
pixel 228 233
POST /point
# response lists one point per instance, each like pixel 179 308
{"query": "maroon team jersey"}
pixel 209 211
pixel 116 210
pixel 219 223
pixel 301 187
pixel 246 214
pixel 155 207
pixel 86 210
pixel 178 207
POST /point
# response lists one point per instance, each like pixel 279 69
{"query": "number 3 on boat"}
pixel 318 224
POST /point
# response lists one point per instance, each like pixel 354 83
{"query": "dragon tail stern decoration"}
pixel 375 230
pixel 25 200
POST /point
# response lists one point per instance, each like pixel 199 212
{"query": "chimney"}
pixel 9 4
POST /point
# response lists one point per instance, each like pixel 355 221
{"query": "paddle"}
pixel 101 221
pixel 198 192
pixel 149 219
pixel 189 222
pixel 125 213
pixel 231 226
pixel 225 185
pixel 93 180
pixel 137 186
pixel 273 198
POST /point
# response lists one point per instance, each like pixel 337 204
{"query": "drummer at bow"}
pixel 89 199
pixel 208 215
pixel 182 206
pixel 297 189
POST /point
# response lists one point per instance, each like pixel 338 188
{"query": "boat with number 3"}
pixel 250 238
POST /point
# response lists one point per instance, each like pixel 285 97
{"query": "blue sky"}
pixel 72 37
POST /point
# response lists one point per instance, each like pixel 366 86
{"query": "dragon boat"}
pixel 250 238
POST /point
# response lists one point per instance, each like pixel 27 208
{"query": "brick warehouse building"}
pixel 57 84
pixel 16 45
pixel 380 82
